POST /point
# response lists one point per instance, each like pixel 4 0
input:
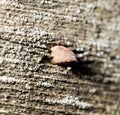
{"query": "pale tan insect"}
pixel 61 55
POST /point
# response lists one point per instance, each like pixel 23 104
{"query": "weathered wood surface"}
pixel 30 85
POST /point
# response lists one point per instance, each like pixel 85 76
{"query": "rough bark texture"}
pixel 30 85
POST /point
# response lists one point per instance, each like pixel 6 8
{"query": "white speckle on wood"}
pixel 70 100
pixel 4 2
pixel 6 79
pixel 45 84
pixel 9 60
pixel 3 111
pixel 43 76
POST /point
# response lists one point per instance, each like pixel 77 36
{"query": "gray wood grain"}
pixel 30 85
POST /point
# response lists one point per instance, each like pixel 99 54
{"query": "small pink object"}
pixel 61 55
